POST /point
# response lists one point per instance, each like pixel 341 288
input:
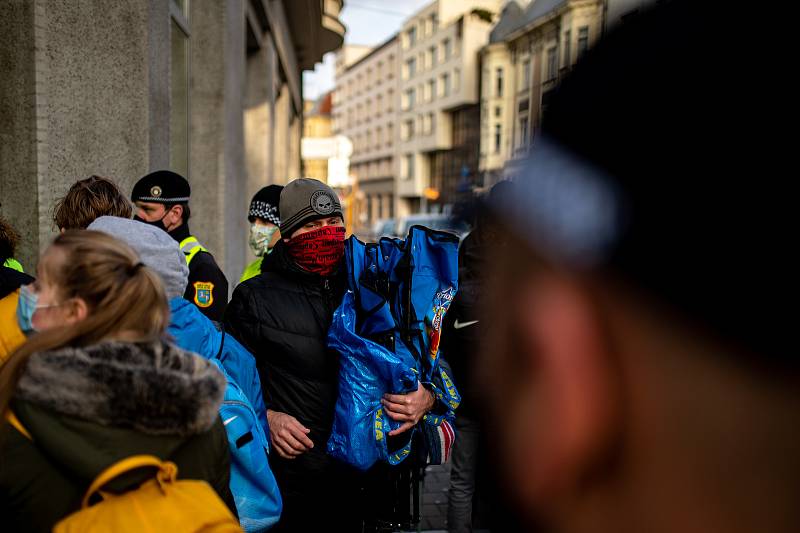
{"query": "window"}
pixel 445 84
pixel 378 138
pixel 179 87
pixel 390 135
pixel 499 81
pixel 408 129
pixel 457 80
pixel 409 174
pixel 411 97
pixel 523 131
pixel 526 74
pixel 431 123
pixel 367 138
pixel 431 57
pixel 379 101
pixel 567 48
pixel 411 67
pixel 552 63
pixel 498 134
pixel 431 94
pixel 448 49
pixel 583 41
pixel 497 111
pixel 412 36
pixel 390 101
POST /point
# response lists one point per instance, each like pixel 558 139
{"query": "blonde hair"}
pixel 123 297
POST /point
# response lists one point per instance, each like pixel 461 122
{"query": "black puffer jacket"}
pixel 282 316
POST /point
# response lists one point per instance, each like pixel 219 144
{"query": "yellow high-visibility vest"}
pixel 13 263
pixel 190 247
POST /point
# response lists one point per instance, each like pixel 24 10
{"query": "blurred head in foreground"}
pixel 640 361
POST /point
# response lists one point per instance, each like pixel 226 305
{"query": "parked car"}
pixel 433 221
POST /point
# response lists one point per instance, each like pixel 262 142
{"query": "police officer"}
pixel 265 219
pixel 162 200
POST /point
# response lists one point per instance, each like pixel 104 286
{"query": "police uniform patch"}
pixel 203 293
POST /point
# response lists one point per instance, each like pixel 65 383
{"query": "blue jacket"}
pixel 252 483
pixel 193 331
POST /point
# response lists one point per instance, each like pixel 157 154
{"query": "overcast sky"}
pixel 368 22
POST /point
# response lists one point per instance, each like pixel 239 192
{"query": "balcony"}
pixel 316 28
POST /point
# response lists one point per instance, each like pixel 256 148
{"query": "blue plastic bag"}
pixel 387 331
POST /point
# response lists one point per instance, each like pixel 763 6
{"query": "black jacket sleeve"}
pixel 205 276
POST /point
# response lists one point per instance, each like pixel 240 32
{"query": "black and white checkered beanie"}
pixel 266 205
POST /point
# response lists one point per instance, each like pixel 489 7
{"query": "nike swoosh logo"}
pixel 459 325
pixel 231 419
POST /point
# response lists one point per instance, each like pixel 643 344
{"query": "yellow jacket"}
pixel 11 337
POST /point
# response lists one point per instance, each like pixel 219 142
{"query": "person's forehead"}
pixel 149 205
pixel 52 257
pixel 335 218
pixel 261 222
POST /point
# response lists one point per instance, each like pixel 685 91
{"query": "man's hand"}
pixel 289 437
pixel 408 408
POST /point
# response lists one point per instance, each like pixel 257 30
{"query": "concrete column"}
pixel 295 138
pixel 216 154
pixel 18 126
pixel 76 103
pixel 258 117
pixel 282 141
pixel 158 41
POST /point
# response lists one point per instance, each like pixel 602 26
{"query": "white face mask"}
pixel 260 237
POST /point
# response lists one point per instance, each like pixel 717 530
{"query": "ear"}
pixel 176 213
pixel 76 310
pixel 567 409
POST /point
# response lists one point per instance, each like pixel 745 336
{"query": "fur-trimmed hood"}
pixel 152 387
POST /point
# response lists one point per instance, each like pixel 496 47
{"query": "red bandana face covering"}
pixel 318 251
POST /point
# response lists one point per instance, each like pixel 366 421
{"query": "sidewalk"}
pixel 434 498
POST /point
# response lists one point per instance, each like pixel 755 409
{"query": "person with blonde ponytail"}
pixel 98 382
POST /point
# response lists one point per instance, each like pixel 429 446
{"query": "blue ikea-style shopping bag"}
pixel 387 330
